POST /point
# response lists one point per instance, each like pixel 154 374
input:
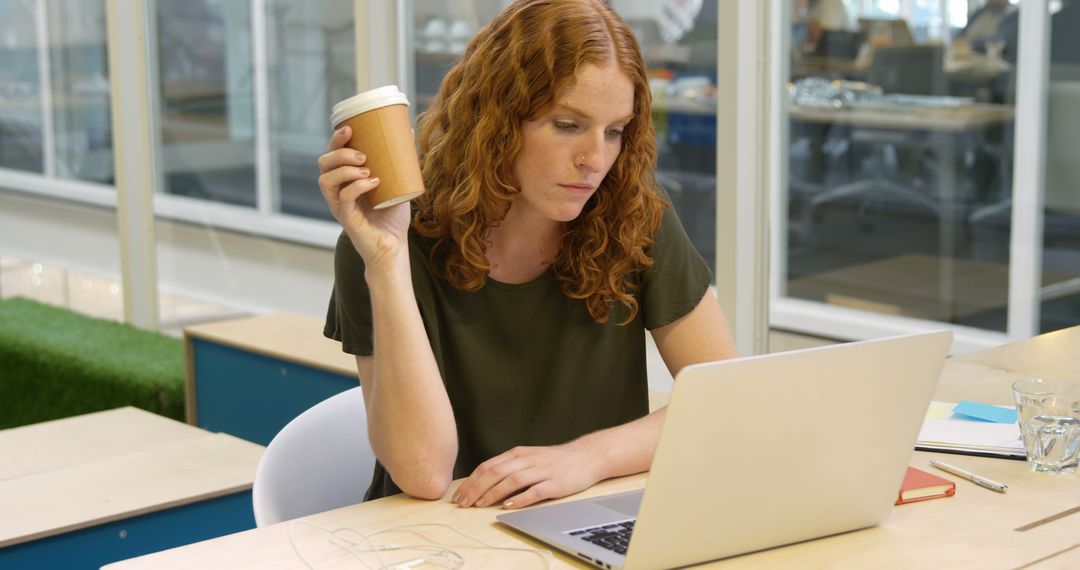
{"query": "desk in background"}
pixel 975 75
pixel 975 528
pixel 950 131
pixel 96 488
pixel 249 377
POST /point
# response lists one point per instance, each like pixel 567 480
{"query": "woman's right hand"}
pixel 380 236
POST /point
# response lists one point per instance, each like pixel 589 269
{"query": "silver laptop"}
pixel 760 452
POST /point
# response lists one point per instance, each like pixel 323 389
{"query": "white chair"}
pixel 321 460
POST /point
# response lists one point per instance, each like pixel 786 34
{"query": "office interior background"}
pixel 912 179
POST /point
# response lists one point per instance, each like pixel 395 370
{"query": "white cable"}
pixel 333 537
pixel 443 556
pixel 543 554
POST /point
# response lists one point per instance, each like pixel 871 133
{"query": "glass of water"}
pixel 1049 413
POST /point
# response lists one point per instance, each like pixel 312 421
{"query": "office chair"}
pixel 909 70
pixel 839 44
pixel 320 460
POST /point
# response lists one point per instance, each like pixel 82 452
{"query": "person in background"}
pixel 499 320
pixel 985 25
pixel 822 15
pixel 1064 40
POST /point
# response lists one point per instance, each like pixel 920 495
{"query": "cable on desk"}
pixel 439 555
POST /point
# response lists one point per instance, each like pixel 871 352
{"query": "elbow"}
pixel 422 472
pixel 429 485
pixel 426 479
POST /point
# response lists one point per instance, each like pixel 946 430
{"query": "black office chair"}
pixel 908 70
pixel 839 44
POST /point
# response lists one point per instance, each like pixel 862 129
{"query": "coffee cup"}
pixel 381 129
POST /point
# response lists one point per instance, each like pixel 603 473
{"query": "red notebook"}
pixel 919 485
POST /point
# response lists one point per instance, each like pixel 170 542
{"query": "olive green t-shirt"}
pixel 524 364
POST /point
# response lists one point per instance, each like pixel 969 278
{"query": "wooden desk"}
pixel 938 119
pixel 975 529
pixel 976 69
pixel 105 486
pixel 249 377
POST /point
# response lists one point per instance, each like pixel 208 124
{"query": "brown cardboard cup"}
pixel 381 130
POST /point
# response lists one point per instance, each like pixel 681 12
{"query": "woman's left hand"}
pixel 526 475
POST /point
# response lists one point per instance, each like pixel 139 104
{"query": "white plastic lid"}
pixel 366 101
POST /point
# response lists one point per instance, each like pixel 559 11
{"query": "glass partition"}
pixel 54 89
pixel 312 55
pixel 899 158
pixel 21 90
pixel 207 100
pixel 1060 292
pixel 679 43
pixel 79 81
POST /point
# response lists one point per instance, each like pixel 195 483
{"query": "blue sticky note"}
pixel 986 412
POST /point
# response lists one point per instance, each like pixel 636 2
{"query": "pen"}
pixel 977 479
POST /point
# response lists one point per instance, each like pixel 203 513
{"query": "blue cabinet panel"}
pixel 119 540
pixel 253 396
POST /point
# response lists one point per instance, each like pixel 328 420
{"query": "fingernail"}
pixel 374 179
pixel 340 131
pixel 455 499
pixel 365 172
pixel 360 156
pixel 508 504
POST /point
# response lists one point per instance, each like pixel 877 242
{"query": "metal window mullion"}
pixel 267 193
pixel 1029 174
pixel 377 25
pixel 405 57
pixel 750 279
pixel 48 127
pixel 946 27
pixel 156 93
pixel 361 47
pixel 778 145
pixel 815 318
pixel 66 189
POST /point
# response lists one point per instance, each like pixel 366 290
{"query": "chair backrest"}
pixel 320 460
pixel 839 44
pixel 911 70
pixel 1062 148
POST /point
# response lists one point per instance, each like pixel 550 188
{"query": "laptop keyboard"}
pixel 614 536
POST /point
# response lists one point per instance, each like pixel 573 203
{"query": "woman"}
pixel 500 334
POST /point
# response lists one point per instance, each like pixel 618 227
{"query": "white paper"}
pixel 972 433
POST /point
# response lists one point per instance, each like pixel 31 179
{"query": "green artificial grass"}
pixel 56 363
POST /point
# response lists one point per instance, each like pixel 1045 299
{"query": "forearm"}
pixel 413 432
pixel 625 449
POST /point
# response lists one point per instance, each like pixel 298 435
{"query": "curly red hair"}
pixel 514 69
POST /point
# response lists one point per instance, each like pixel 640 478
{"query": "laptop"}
pixel 760 452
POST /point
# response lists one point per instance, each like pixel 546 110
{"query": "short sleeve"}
pixel 348 318
pixel 679 277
